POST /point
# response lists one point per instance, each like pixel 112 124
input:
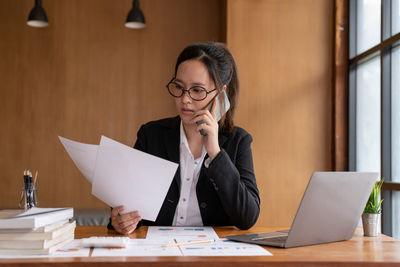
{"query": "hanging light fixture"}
pixel 37 17
pixel 135 19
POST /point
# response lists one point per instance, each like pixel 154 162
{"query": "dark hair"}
pixel 222 69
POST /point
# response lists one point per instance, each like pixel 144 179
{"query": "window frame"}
pixel 345 11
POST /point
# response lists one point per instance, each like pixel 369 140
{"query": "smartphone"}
pixel 220 111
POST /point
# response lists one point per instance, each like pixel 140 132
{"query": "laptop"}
pixel 329 211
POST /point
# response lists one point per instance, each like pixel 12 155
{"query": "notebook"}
pixel 29 234
pixel 329 211
pixel 33 218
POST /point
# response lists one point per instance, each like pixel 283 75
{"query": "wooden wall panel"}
pixel 87 75
pixel 84 76
pixel 283 50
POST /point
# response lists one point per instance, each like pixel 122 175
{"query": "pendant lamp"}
pixel 37 16
pixel 135 19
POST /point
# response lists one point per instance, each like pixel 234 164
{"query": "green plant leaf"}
pixel 374 202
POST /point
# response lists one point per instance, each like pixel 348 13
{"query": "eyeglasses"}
pixel 196 93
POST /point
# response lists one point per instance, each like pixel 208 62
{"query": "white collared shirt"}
pixel 187 212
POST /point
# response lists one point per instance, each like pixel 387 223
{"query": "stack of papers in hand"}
pixel 122 175
pixel 38 231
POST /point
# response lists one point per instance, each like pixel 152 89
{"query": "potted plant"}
pixel 372 211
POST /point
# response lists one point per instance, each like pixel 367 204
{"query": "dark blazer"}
pixel 227 191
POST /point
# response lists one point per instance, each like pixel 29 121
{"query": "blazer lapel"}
pixel 221 139
pixel 171 141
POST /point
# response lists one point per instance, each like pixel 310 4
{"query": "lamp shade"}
pixel 135 19
pixel 37 16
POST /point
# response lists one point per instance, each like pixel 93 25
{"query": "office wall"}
pixel 87 75
pixel 283 51
pixel 84 76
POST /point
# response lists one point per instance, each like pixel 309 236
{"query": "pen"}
pixel 29 176
pixel 34 179
pixel 25 185
pixel 189 243
pixel 25 177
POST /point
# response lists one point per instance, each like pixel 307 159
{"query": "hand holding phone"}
pixel 220 112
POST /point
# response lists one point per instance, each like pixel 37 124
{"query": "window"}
pixel 374 99
pixel 395 16
pixel 368 21
pixel 395 122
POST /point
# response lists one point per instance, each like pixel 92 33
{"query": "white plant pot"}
pixel 370 223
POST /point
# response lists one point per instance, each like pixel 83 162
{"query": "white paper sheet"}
pixel 155 248
pixel 224 247
pixel 72 249
pixel 138 247
pixel 184 234
pixel 122 175
pixel 129 177
pixel 83 155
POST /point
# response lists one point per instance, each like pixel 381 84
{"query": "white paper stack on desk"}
pixel 122 175
pixel 39 231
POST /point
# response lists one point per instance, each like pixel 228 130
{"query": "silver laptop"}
pixel 329 211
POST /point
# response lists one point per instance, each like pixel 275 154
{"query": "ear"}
pixel 224 88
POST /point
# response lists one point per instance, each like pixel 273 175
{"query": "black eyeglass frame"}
pixel 183 90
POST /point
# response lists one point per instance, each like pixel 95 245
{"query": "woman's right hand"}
pixel 124 223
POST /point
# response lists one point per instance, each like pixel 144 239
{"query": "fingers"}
pixel 202 131
pixel 117 210
pixel 129 228
pixel 205 122
pixel 204 128
pixel 203 116
pixel 126 227
pixel 116 214
pixel 205 112
pixel 124 223
pixel 127 217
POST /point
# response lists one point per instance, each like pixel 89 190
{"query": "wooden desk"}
pixel 358 251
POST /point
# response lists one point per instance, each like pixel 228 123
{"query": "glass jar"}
pixel 29 196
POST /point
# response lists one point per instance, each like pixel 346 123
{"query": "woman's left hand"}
pixel 210 125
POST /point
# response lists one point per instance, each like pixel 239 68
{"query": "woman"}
pixel 215 183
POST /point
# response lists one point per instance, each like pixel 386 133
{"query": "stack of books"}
pixel 38 231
